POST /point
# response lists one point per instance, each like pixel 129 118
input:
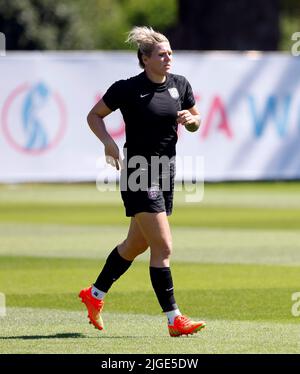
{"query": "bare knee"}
pixel 162 250
pixel 131 249
pixel 167 250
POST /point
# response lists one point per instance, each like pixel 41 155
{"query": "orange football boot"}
pixel 185 326
pixel 94 307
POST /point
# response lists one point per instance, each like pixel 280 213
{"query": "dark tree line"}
pixel 227 25
pixel 189 24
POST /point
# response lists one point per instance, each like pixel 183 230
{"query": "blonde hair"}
pixel 145 38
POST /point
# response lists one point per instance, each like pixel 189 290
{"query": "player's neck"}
pixel 155 78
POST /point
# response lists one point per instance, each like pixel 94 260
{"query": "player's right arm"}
pixel 97 125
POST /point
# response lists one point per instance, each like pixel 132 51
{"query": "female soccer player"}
pixel 152 103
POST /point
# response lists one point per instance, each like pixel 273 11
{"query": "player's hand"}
pixel 190 121
pixel 185 117
pixel 112 155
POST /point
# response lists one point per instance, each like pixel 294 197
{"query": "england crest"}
pixel 174 93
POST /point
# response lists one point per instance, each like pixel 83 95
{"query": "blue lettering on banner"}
pixel 276 109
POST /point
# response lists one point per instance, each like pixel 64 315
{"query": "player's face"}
pixel 159 62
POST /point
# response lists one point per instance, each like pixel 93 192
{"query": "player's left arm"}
pixel 190 118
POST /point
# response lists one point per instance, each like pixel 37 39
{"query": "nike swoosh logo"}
pixel 141 95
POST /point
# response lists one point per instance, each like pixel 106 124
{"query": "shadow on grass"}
pixel 55 336
pixel 69 336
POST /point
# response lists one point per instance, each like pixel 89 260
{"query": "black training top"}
pixel 150 111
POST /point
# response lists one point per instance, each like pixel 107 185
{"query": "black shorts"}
pixel 154 197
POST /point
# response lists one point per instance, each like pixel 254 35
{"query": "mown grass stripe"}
pixel 230 291
pixel 27 330
pixel 191 216
pixel 238 304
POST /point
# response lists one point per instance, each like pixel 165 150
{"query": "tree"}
pixel 189 24
pixel 41 24
pixel 110 20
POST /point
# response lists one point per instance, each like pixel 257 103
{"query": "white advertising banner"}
pixel 250 106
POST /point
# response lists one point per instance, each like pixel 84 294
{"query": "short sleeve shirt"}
pixel 150 112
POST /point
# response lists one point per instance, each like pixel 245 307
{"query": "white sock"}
pixel 171 315
pixel 98 294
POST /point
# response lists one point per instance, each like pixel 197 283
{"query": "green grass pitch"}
pixel 236 264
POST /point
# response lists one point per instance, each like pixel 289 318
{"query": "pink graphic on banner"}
pixel 33 118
